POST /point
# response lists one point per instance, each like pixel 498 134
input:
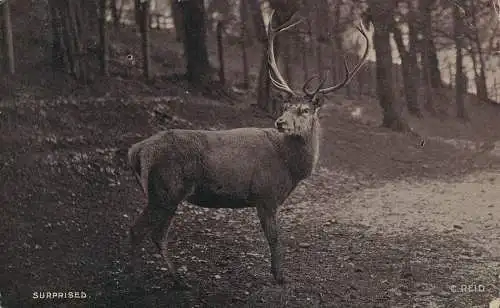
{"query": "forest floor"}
pixel 383 222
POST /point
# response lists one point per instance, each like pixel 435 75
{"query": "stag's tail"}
pixel 134 161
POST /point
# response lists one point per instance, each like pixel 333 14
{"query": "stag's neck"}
pixel 301 153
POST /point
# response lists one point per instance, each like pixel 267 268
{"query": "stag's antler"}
pixel 349 75
pixel 279 82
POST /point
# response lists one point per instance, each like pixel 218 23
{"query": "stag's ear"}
pixel 317 102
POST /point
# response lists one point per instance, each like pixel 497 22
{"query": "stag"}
pixel 236 168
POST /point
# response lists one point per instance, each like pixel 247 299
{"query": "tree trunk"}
pixel 244 40
pixel 76 34
pixel 144 16
pixel 8 41
pixel 426 47
pixel 305 52
pixel 434 73
pixel 114 12
pixel 482 90
pixel 90 14
pixel 411 93
pixel 381 11
pixel 220 50
pixel 264 99
pixel 103 38
pixel 195 48
pixel 321 31
pixel 178 20
pixel 68 40
pixel 57 37
pixel 413 49
pixel 338 45
pixel 460 80
pixel 258 20
pixel 287 44
pixel 246 22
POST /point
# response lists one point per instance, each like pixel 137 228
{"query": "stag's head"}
pixel 300 116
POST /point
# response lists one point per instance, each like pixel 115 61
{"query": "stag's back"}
pixel 237 166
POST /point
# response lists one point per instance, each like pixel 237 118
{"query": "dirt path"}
pixel 468 207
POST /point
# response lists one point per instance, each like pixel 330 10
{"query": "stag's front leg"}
pixel 268 221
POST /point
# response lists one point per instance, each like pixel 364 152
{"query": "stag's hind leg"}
pixel 137 233
pixel 164 200
pixel 160 239
pixel 156 217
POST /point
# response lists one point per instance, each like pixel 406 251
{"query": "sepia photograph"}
pixel 250 153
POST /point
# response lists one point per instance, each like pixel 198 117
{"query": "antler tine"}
pixel 350 75
pixel 279 82
pixel 308 81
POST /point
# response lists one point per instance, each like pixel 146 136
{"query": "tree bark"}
pixel 408 67
pixel 178 20
pixel 195 48
pixel 434 74
pixel 381 11
pixel 114 12
pixel 144 17
pixel 90 14
pixel 8 41
pixel 258 20
pixel 68 39
pixel 246 22
pixel 76 34
pixel 460 80
pixel 57 37
pixel 103 37
pixel 338 45
pixel 220 49
pixel 244 39
pixel 480 79
pixel 413 43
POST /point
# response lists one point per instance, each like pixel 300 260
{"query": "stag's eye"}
pixel 305 111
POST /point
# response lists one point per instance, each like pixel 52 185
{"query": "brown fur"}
pixel 244 167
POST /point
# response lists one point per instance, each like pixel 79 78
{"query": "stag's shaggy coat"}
pixel 232 169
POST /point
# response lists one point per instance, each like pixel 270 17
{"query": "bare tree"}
pixel 430 70
pixel 58 55
pixel 408 61
pixel 428 47
pixel 195 47
pixel 7 34
pixel 471 30
pixel 178 19
pixel 258 21
pixel 244 10
pixel 380 14
pixel 103 38
pixel 460 79
pixel 142 9
pixel 220 50
pixel 67 31
pixel 116 11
